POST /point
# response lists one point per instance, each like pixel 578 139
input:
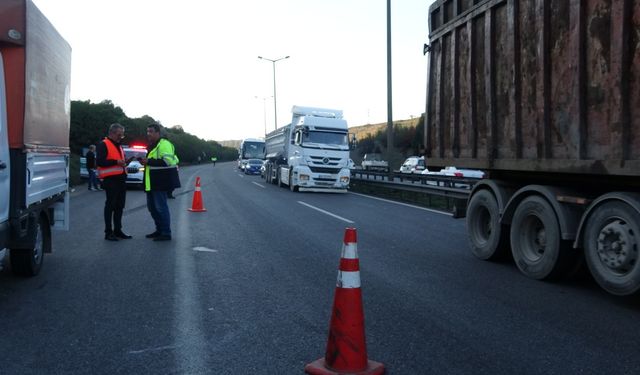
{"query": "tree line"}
pixel 90 124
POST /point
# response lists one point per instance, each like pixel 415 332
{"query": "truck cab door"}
pixel 4 151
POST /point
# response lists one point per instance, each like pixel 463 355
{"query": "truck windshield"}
pixel 252 150
pixel 325 138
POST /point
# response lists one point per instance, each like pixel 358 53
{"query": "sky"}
pixel 195 63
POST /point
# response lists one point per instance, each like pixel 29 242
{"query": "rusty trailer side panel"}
pixel 37 64
pixel 535 86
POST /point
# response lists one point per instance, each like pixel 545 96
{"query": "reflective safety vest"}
pixel 162 178
pixel 113 153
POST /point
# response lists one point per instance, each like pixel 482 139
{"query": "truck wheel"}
pixel 291 186
pixel 487 236
pixel 28 262
pixel 267 174
pixel 612 238
pixel 536 245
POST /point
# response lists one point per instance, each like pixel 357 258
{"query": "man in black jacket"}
pixel 111 168
pixel 90 158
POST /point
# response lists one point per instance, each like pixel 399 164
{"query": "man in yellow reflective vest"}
pixel 160 176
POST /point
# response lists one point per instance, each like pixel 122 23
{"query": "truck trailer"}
pixel 544 96
pixel 311 153
pixel 35 71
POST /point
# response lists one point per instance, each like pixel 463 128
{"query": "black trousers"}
pixel 116 190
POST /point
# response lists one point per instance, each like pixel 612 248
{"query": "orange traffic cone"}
pixel 346 348
pixel 196 205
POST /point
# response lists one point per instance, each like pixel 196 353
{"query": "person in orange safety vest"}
pixel 111 163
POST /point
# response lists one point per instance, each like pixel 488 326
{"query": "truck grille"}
pixel 132 170
pixel 321 160
pixel 324 170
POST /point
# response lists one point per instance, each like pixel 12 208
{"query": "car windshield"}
pixel 255 162
pixel 325 138
pixel 136 154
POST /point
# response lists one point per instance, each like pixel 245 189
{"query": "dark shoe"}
pixel 122 235
pixel 153 235
pixel 162 237
pixel 110 237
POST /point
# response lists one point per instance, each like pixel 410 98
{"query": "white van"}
pixel 413 164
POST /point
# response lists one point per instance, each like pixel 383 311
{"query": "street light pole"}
pixel 275 105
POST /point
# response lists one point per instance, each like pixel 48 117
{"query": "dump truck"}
pixel 311 153
pixel 544 96
pixel 35 71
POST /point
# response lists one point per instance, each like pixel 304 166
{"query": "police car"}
pixel 135 169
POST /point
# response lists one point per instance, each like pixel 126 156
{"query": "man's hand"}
pixel 121 163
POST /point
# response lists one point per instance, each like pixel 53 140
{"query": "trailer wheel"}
pixel 28 262
pixel 487 236
pixel 612 239
pixel 537 247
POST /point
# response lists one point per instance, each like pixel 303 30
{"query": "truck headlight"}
pixel 344 179
pixel 303 177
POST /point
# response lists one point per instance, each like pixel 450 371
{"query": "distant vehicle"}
pixel 374 162
pixel 253 166
pixel 311 153
pixel 250 148
pixel 135 170
pixel 413 164
pixel 35 75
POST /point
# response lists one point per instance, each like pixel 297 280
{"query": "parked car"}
pixel 413 164
pixel 135 170
pixel 253 166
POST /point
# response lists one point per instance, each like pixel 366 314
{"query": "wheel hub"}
pixel 616 247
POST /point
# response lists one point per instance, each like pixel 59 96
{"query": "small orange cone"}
pixel 346 348
pixel 196 205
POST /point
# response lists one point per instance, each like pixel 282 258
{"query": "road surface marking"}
pixel 255 183
pixel 204 249
pixel 326 212
pixel 241 175
pixel 166 347
pixel 405 204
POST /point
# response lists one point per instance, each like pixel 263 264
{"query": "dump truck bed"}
pixel 535 86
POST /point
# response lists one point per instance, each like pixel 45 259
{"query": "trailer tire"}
pixel 536 243
pixel 488 238
pixel 28 262
pixel 612 245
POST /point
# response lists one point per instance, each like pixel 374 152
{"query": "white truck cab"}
pixel 311 153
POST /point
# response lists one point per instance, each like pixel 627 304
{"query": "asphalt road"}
pixel 246 288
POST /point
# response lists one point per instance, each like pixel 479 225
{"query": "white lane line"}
pixel 255 183
pixel 241 175
pixel 326 212
pixel 405 204
pixel 167 347
pixel 204 249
